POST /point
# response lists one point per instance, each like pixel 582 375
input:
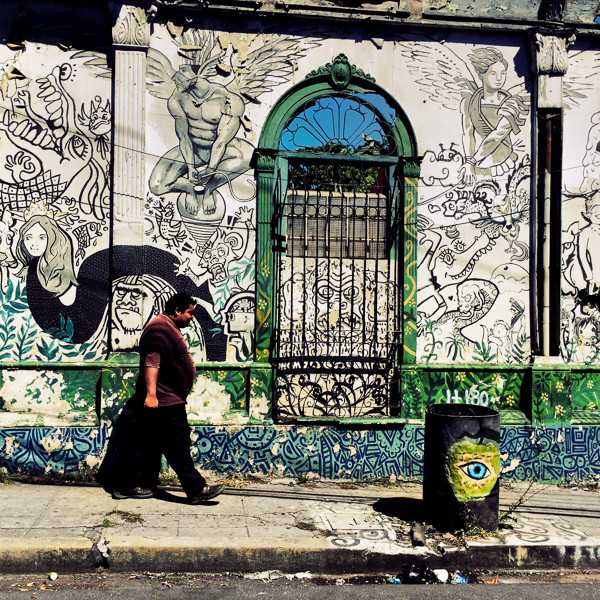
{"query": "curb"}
pixel 216 555
pixel 70 555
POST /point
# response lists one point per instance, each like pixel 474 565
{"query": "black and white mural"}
pixel 55 130
pixel 580 303
pixel 474 202
pixel 208 90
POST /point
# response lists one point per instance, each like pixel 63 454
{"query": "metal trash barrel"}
pixel 461 466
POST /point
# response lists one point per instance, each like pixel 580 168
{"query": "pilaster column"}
pixel 550 63
pixel 131 37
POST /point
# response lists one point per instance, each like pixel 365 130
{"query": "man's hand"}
pixel 151 401
pixel 151 377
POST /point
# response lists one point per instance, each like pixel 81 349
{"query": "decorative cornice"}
pixel 132 26
pixel 478 16
pixel 341 72
pixel 550 51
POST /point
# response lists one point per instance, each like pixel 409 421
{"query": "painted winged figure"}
pixel 490 113
pixel 208 115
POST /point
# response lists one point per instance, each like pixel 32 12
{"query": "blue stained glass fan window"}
pixel 342 123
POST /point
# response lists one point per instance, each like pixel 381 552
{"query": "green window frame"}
pixel 271 163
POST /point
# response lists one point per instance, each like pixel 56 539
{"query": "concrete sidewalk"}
pixel 326 529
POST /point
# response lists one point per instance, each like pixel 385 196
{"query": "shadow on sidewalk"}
pixel 167 497
pixel 407 509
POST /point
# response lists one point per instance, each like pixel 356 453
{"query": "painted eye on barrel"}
pixel 475 470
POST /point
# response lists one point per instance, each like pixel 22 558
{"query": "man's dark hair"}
pixel 179 302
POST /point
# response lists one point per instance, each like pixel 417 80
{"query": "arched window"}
pixel 336 274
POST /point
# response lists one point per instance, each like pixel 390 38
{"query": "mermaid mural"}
pixel 62 303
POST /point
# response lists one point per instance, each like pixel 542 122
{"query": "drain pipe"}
pixel 549 63
pixel 546 240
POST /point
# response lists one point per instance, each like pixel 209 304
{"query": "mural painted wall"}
pixel 474 202
pixel 580 303
pixel 55 152
pixel 69 302
pixel 54 195
pixel 207 90
pixel 548 454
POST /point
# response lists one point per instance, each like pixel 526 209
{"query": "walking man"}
pixel 166 377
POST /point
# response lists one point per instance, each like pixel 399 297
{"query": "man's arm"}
pixel 227 128
pixel 151 377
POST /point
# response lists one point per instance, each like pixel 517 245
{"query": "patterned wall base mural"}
pixel 545 454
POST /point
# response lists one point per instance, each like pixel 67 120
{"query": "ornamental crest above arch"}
pixel 341 72
pixel 339 86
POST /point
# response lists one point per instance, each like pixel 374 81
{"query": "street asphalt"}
pixel 279 525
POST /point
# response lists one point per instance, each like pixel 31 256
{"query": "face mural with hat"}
pixel 136 299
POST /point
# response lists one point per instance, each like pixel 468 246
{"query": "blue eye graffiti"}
pixel 475 470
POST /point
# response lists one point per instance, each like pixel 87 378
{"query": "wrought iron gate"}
pixel 337 315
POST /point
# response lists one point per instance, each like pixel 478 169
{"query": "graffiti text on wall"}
pixel 472 396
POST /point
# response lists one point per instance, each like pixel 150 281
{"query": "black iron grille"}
pixel 337 290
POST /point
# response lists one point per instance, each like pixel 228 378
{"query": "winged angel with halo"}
pixel 208 114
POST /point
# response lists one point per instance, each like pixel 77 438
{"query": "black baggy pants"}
pixel 165 430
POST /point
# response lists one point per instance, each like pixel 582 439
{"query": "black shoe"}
pixel 136 492
pixel 208 493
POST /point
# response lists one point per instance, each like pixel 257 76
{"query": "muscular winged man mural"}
pixel 208 115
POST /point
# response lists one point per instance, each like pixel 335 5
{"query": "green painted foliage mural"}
pixel 218 391
pixel 551 396
pixel 46 398
pixel 497 389
pixel 22 340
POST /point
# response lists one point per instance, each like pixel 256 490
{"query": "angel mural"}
pixel 490 115
pixel 475 198
pixel 195 186
pixel 207 117
pixel 208 114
